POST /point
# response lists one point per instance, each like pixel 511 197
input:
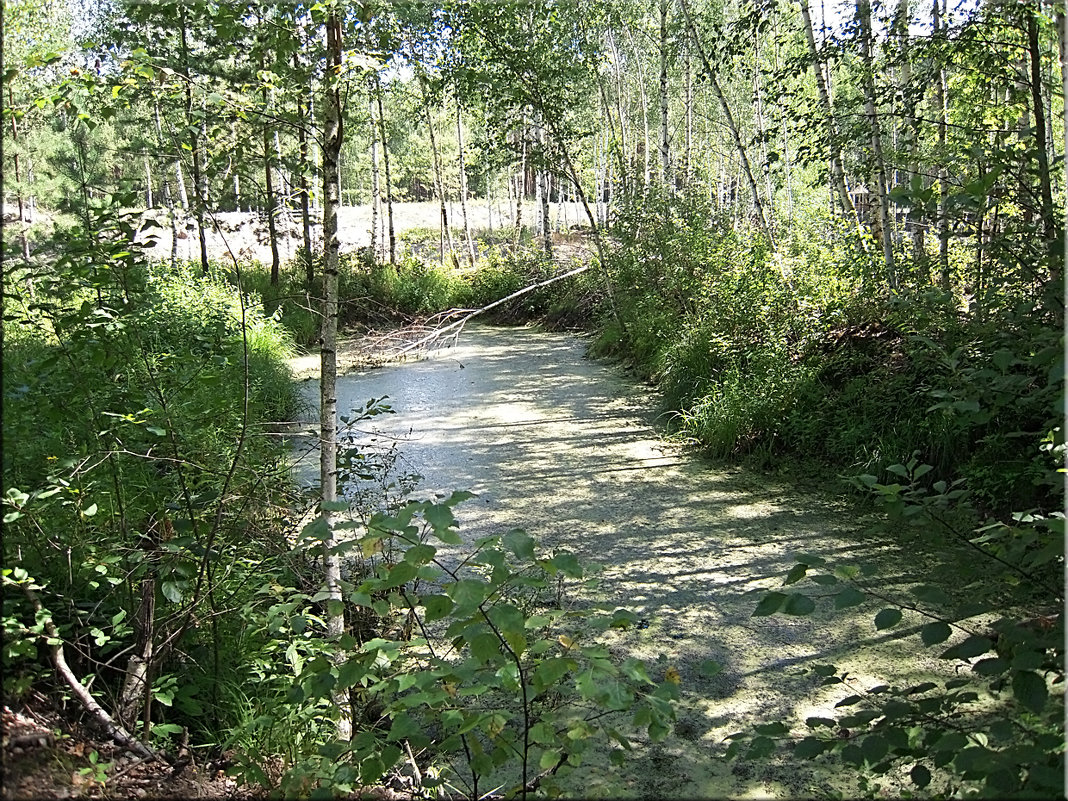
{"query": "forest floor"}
pixel 52 754
pixel 49 753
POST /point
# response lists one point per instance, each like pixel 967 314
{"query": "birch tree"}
pixel 332 141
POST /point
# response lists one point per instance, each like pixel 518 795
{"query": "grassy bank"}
pixel 144 490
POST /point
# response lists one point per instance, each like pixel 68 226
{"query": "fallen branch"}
pixel 51 636
pixel 459 324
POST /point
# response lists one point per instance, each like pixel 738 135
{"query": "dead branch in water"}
pixel 439 331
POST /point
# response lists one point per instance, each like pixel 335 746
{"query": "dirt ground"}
pixel 47 755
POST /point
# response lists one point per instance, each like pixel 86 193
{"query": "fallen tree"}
pixel 456 327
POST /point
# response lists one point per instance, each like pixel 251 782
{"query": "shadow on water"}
pixel 565 448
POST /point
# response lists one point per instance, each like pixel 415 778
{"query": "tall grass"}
pixel 374 295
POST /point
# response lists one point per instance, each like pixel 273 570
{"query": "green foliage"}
pixel 479 660
pixel 995 728
pixel 380 294
pixel 136 401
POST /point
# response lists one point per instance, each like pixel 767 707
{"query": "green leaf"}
pixel 920 776
pixel 623 619
pixel 887 618
pixel 809 747
pixel 772 729
pixel 542 733
pixel 458 497
pixel 797 572
pixel 334 506
pixel 519 543
pixel 971 647
pixel 990 667
pixel 485 647
pixel 931 595
pixel 847 571
pixel 508 618
pixel 567 564
pixel 400 574
pixel 350 673
pixel 760 748
pixel 440 517
pixel 875 748
pixel 973 758
pixel 799 605
pixel 634 669
pixel 935 632
pixel 850 596
pixel 550 671
pixel 849 700
pixel 1030 690
pixel 853 755
pixel 769 604
pixel 549 759
pixel 171 592
pixel 403 727
pixel 420 554
pixel 517 641
pixel 815 723
pixel 437 607
pixel 448 536
pixel 824 579
pixel 467 595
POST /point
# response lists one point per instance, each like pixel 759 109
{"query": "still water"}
pixel 568 449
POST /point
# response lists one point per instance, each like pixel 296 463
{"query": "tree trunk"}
pixel 910 138
pixel 688 103
pixel 137 688
pixel 332 141
pixel 941 114
pixel 268 183
pixel 886 232
pixel 198 207
pixel 389 180
pixel 18 183
pixel 624 170
pixel 833 140
pixel 595 231
pixel 758 205
pixel 463 186
pixel 543 184
pixel 285 180
pixel 148 181
pixel 646 171
pixel 168 198
pixel 788 167
pixel 1038 110
pixel 665 153
pixel 376 188
pixel 439 182
pixel 758 118
pixel 521 187
pixel 305 211
pixel 1057 270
